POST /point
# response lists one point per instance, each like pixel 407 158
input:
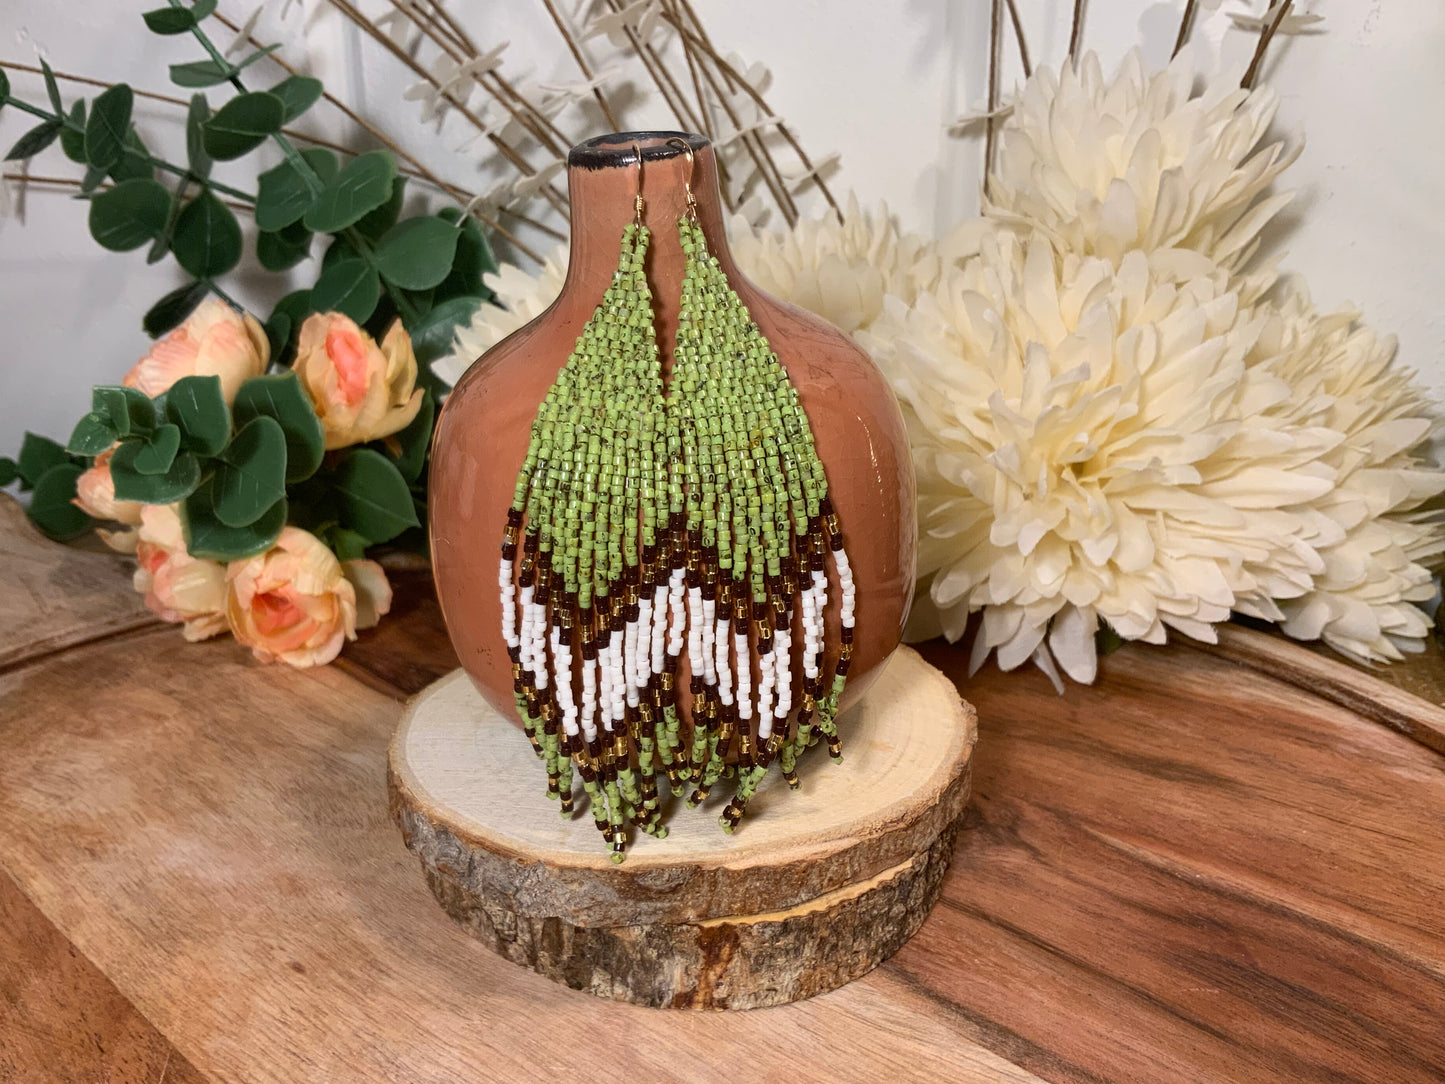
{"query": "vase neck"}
pixel 602 183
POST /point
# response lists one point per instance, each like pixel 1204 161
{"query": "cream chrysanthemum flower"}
pixel 521 298
pixel 1369 529
pixel 841 271
pixel 1091 443
pixel 1141 162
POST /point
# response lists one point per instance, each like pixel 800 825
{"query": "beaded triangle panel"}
pixel 654 529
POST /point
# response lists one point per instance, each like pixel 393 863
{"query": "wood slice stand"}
pixel 816 887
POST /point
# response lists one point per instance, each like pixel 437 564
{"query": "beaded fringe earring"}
pixel 751 497
pixel 590 493
pixel 647 525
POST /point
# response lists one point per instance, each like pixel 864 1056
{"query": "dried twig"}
pixel 1076 32
pixel 582 65
pixel 1265 36
pixel 1013 14
pixel 1186 24
pixel 995 20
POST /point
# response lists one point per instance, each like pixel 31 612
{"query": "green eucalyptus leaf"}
pixel 282 197
pixel 347 545
pixel 197 114
pixel 176 483
pixel 129 410
pixel 159 452
pixel 413 442
pixel 293 308
pixel 202 8
pixel 473 259
pixel 431 336
pixel 9 471
pixel 4 84
pixel 322 162
pixel 364 184
pixel 349 287
pixel 282 399
pixel 242 124
pixel 340 249
pixel 278 333
pixel 209 539
pixel 196 405
pixel 170 310
pixel 94 177
pixel 52 89
pixel 250 473
pixel 129 215
pixel 52 506
pixel 109 121
pixel 259 54
pixel 207 240
pixel 201 73
pixel 72 139
pixel 298 93
pixel 417 254
pixel 37 455
pixel 92 435
pixel 35 140
pixel 373 497
pixel 135 160
pixel 169 20
pixel 284 248
pixel 375 223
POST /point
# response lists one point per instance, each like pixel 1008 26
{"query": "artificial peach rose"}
pixel 215 340
pixel 373 592
pixel 178 587
pixel 359 390
pixel 291 603
pixel 95 496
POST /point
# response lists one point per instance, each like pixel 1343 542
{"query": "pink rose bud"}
pixel 359 390
pixel 215 340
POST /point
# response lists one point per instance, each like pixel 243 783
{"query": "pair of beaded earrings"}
pixel 653 519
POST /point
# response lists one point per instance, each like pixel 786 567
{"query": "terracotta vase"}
pixel 483 430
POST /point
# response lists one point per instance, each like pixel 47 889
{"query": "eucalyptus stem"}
pixel 151 160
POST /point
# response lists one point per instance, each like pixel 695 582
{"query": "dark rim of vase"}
pixel 616 148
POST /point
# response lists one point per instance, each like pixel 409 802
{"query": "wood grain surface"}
pixel 1192 871
pixel 57 596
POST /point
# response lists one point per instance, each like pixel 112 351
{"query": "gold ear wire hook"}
pixel 691 162
pixel 637 197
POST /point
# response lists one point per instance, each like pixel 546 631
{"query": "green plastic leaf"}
pixel 242 124
pixel 37 455
pixel 72 138
pixel 210 539
pixel 202 8
pixel 282 399
pixel 135 160
pixel 197 115
pixel 169 20
pixel 129 215
pixel 362 185
pixel 282 197
pixel 4 84
pixel 431 336
pixel 250 473
pixel 259 54
pixel 51 508
pixel 322 162
pixel 373 497
pixel 159 452
pixel 278 333
pixel 201 73
pixel 128 410
pixel 293 310
pixel 414 441
pixel 349 287
pixel 92 435
pixel 8 469
pixel 347 545
pixel 52 89
pixel 298 93
pixel 34 141
pixel 177 483
pixel 340 249
pixel 196 406
pixel 170 310
pixel 417 254
pixel 285 248
pixel 109 121
pixel 207 241
pixel 375 223
pixel 473 259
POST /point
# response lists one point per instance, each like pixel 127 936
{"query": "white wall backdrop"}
pixel 877 82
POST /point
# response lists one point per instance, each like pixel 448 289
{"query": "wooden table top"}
pixel 1195 870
